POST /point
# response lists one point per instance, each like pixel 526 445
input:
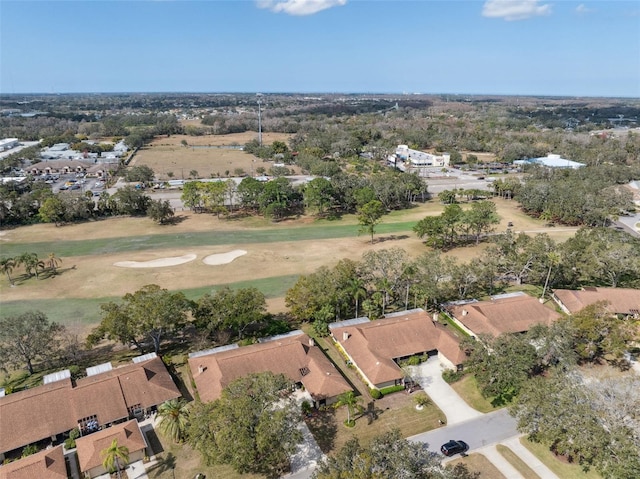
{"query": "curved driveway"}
pixel 429 375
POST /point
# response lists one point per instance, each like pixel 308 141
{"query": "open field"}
pixel 167 155
pixel 276 255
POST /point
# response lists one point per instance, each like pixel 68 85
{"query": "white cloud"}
pixel 299 7
pixel 583 9
pixel 514 9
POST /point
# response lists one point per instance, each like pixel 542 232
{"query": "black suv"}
pixel 454 447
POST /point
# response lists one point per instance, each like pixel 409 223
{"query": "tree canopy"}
pixel 387 456
pixel 148 314
pixel 253 426
pixel 27 338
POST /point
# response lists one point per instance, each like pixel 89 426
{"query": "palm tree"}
pixel 352 402
pixel 174 418
pixel 355 287
pixel 6 266
pixel 112 457
pixel 53 262
pixel 30 262
pixel 554 260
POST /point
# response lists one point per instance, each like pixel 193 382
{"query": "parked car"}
pixel 454 447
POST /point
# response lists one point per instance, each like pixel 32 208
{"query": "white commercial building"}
pixel 550 161
pixel 8 143
pixel 406 159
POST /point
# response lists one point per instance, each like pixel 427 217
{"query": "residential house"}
pixel 375 348
pixel 294 354
pixel 47 464
pixel 506 313
pixel 106 396
pixel 90 448
pixel 623 301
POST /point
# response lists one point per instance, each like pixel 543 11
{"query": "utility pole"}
pixel 259 95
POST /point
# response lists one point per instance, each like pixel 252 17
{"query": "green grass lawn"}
pixel 562 469
pixel 516 462
pixel 468 390
pixel 88 309
pixel 319 231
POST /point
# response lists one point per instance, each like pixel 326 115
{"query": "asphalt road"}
pixel 488 429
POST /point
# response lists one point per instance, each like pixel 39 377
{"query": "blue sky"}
pixel 512 47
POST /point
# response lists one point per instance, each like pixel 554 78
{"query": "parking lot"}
pixel 78 182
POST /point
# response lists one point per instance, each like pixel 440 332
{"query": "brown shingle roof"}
pixel 101 396
pixel 290 355
pixel 37 413
pixel 374 345
pixel 90 447
pixel 47 464
pixel 621 300
pixel 44 411
pixel 514 314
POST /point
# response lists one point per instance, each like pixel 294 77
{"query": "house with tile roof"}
pixel 294 354
pixel 375 348
pixel 47 464
pixel 106 396
pixel 623 301
pixel 506 313
pixel 89 448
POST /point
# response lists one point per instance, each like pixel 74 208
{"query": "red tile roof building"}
pixel 294 355
pixel 376 347
pixel 95 401
pixel 47 464
pixel 89 448
pixel 624 301
pixel 511 313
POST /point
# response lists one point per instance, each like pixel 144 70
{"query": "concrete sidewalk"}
pixel 498 460
pixel 429 375
pixel 529 459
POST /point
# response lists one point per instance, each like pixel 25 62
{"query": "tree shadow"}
pixel 371 412
pixel 174 220
pixel 324 428
pixel 383 239
pixel 164 464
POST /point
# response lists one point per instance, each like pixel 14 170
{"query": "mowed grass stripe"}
pixel 184 240
pixel 87 310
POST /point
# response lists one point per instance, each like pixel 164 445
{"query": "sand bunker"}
pixel 157 263
pixel 223 258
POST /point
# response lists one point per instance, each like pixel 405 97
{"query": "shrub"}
pixel 375 393
pixel 451 376
pixel 321 328
pixel 391 389
pixel 306 407
pixel 76 371
pixel 422 400
pixel 28 450
pixel 413 361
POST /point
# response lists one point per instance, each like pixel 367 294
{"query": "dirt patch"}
pixel 169 158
